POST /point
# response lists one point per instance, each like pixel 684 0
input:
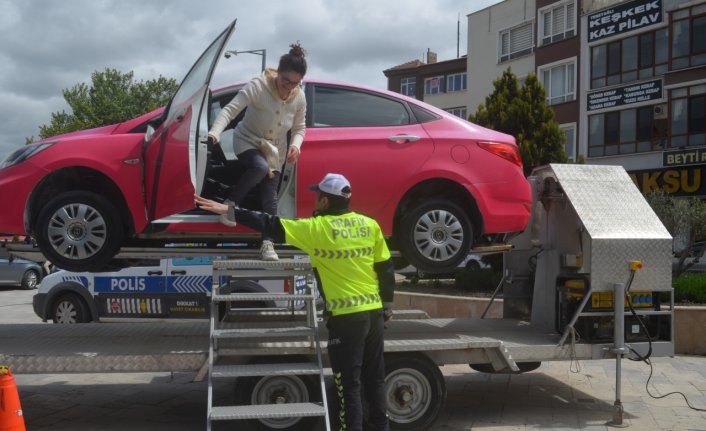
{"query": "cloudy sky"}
pixel 47 46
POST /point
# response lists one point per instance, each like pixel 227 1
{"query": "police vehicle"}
pixel 155 288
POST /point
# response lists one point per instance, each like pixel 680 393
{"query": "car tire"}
pixel 473 265
pixel 435 236
pixel 79 231
pixel 69 309
pixel 30 280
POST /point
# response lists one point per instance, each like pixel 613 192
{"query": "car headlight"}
pixel 24 153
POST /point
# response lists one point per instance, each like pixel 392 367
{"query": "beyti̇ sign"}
pixel 625 17
pixel 627 95
pixel 693 156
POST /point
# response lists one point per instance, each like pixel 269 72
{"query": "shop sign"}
pixel 625 17
pixel 627 95
pixel 693 156
pixel 683 181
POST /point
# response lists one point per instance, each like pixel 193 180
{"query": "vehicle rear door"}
pixel 175 155
pixel 369 137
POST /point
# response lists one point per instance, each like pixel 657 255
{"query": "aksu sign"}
pixel 625 17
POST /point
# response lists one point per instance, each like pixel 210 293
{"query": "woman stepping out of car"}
pixel 276 105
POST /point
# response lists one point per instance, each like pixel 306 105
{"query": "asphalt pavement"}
pixel 557 396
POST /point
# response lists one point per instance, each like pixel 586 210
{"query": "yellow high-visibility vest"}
pixel 343 249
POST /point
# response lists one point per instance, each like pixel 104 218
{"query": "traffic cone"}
pixel 11 418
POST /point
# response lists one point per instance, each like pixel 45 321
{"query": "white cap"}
pixel 334 184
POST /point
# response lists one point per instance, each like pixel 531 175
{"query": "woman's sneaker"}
pixel 267 251
pixel 224 217
pixel 228 222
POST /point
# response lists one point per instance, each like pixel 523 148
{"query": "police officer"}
pixel 353 267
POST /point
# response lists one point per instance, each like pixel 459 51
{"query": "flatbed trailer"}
pixel 565 283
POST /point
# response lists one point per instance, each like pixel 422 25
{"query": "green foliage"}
pixel 523 113
pixel 111 98
pixel 690 287
pixel 684 218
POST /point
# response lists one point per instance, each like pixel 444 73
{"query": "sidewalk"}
pixel 551 397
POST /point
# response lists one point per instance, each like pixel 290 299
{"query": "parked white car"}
pixel 166 288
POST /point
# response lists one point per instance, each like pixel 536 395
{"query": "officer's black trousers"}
pixel 355 348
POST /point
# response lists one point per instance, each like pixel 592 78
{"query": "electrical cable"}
pixel 646 358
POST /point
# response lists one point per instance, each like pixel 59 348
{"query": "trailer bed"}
pixel 183 345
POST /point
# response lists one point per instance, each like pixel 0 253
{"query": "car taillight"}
pixel 506 151
pixel 286 285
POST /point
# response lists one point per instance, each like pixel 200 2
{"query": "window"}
pixel 433 85
pixel 558 23
pixel 342 107
pixel 516 42
pixel 459 112
pixel 688 41
pixel 569 140
pixel 631 59
pixel 559 83
pixel 456 82
pixel 688 121
pixel 624 132
pixel 408 87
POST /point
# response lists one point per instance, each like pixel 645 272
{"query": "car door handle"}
pixel 154 273
pixel 401 139
pixel 179 272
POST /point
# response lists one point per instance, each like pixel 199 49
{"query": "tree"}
pixel 522 111
pixel 111 98
pixel 685 219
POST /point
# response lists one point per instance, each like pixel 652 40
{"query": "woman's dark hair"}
pixel 293 61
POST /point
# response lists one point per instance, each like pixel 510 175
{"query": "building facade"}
pixel 499 36
pixel 645 99
pixel 626 79
pixel 440 83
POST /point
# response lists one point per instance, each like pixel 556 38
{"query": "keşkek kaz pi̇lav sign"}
pixel 626 17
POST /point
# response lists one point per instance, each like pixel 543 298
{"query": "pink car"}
pixel 436 183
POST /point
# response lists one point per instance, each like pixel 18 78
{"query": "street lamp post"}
pixel 261 52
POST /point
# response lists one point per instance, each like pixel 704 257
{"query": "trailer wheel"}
pixel 415 391
pixel 69 309
pixel 279 390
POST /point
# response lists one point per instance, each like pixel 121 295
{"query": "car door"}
pixel 369 137
pixel 175 155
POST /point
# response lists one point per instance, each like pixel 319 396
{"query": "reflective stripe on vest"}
pixel 353 301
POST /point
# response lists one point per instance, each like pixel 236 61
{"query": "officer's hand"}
pixel 386 314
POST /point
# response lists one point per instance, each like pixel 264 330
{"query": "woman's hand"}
pixel 209 205
pixel 213 138
pixel 293 154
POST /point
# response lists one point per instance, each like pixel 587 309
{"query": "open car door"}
pixel 176 155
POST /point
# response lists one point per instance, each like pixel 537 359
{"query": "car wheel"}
pixel 69 309
pixel 79 231
pixel 435 236
pixel 30 279
pixel 473 265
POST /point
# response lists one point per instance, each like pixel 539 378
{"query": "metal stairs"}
pixel 274 399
